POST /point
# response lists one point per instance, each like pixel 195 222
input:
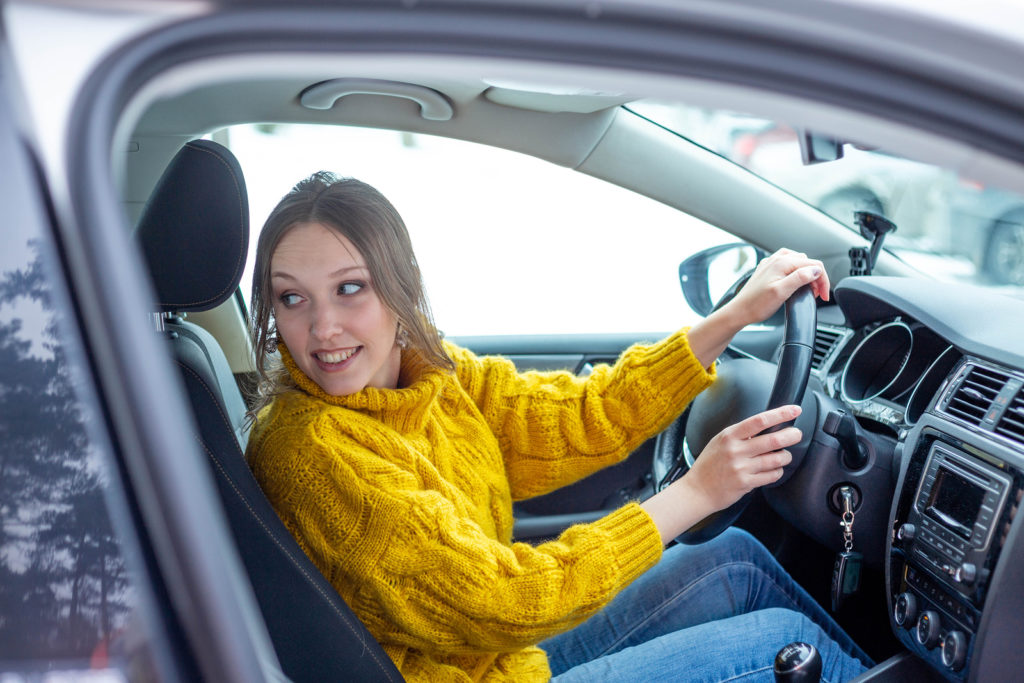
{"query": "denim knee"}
pixel 739 545
pixel 788 620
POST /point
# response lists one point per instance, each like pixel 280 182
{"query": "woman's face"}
pixel 328 313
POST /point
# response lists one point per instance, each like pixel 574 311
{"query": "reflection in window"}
pixel 66 595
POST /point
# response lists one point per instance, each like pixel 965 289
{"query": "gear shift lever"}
pixel 797 663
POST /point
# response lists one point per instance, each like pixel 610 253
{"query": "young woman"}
pixel 394 458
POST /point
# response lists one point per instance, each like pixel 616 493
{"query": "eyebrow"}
pixel 337 273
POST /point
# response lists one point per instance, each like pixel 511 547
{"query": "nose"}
pixel 326 322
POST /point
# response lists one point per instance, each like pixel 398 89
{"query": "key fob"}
pixel 845 577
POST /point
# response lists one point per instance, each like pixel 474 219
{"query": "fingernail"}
pixel 816 272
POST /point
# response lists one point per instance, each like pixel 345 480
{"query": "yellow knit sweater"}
pixel 403 499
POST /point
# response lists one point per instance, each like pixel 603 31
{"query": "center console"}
pixel 951 522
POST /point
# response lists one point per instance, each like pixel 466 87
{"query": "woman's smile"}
pixel 332 361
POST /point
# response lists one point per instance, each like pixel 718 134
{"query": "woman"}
pixel 394 458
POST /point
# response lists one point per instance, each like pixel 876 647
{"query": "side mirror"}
pixel 709 275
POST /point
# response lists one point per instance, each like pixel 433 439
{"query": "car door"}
pixel 112 553
pixel 77 590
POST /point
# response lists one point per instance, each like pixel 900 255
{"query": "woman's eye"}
pixel 349 288
pixel 289 299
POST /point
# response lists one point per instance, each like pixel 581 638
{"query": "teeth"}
pixel 335 357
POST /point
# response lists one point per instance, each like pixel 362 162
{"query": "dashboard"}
pixel 934 375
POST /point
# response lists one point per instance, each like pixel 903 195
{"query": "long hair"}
pixel 370 222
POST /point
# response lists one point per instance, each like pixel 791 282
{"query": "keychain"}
pixel 846 572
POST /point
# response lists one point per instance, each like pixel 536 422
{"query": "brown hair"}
pixel 367 219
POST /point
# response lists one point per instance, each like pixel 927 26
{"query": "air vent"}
pixel 1011 425
pixel 974 396
pixel 824 341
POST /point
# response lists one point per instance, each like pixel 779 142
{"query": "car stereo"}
pixel 954 511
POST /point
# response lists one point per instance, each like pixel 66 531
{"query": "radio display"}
pixel 955 501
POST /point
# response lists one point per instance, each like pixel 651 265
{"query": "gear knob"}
pixel 797 663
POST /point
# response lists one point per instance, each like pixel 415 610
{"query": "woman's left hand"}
pixel 774 281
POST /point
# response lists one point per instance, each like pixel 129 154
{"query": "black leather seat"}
pixel 194 233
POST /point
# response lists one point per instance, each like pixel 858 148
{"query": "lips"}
pixel 335 360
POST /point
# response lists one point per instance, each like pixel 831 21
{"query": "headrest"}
pixel 194 231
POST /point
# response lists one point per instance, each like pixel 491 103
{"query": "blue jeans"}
pixel 719 611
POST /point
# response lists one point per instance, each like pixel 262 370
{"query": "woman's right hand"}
pixel 737 460
pixel 740 458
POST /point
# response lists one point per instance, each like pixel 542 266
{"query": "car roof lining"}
pixel 199 97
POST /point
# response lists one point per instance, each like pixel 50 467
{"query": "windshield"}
pixel 948 226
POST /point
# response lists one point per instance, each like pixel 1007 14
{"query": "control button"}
pixel 906 532
pixel 928 627
pixel 954 650
pixel 905 610
pixel 966 573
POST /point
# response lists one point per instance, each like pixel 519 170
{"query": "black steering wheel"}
pixel 740 391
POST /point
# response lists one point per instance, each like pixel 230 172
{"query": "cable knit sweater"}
pixel 403 499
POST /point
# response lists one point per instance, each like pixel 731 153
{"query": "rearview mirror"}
pixel 817 149
pixel 707 276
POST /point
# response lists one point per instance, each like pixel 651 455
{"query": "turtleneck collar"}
pixel 419 385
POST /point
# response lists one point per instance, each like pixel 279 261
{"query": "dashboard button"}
pixel 966 573
pixel 954 650
pixel 928 627
pixel 905 610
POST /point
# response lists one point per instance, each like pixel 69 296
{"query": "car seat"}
pixel 194 234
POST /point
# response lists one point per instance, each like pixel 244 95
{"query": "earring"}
pixel 402 337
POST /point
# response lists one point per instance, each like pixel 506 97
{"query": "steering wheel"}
pixel 740 390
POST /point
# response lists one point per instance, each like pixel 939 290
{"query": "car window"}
pixel 508 244
pixel 73 592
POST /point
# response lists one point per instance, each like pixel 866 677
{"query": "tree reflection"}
pixel 63 583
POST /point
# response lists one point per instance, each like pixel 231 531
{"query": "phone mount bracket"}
pixel 872 227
